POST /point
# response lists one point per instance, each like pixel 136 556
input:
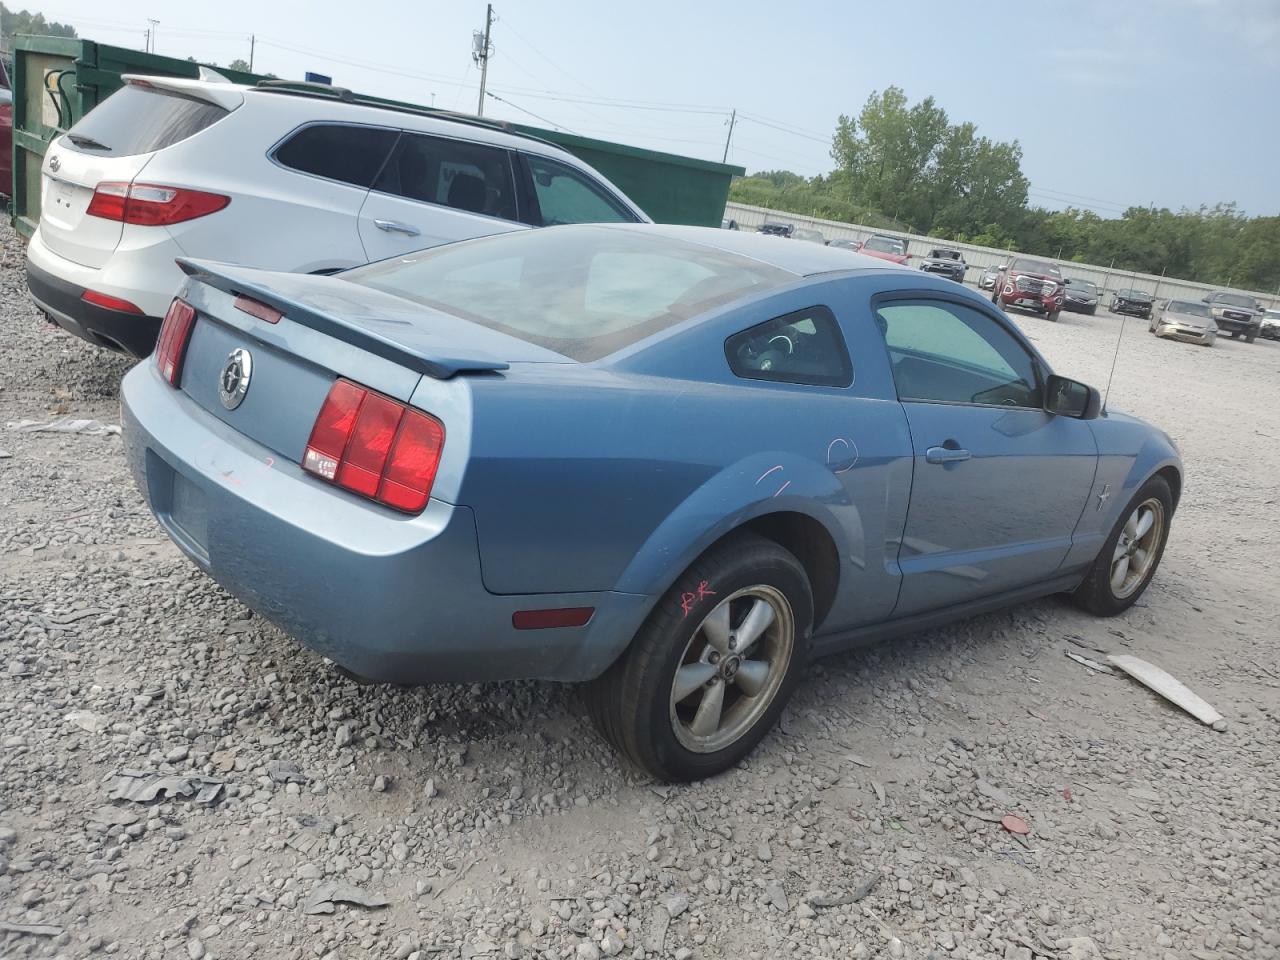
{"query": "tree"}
pixel 240 64
pixel 14 23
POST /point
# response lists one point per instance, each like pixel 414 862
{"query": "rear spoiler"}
pixel 433 363
pixel 218 92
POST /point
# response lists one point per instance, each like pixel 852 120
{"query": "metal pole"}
pixel 152 33
pixel 1163 270
pixel 732 119
pixel 252 43
pixel 484 58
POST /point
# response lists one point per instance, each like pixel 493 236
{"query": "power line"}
pixel 558 126
pixel 792 132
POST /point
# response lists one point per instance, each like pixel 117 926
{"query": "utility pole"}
pixel 253 42
pixel 732 118
pixel 151 35
pixel 146 40
pixel 480 53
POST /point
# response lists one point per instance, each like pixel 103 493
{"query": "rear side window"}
pixel 336 151
pixel 801 347
pixel 452 173
pixel 565 195
pixel 136 120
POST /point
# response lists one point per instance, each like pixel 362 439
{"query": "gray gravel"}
pixel 494 823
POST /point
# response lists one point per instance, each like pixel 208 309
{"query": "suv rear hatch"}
pixel 113 144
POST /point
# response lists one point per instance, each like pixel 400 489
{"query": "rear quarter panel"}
pixel 616 476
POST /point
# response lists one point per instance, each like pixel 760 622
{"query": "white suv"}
pixel 275 176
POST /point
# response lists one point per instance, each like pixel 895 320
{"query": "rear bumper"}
pixel 130 333
pixel 388 597
pixel 951 274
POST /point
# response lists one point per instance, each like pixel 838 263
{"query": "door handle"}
pixel 945 454
pixel 395 226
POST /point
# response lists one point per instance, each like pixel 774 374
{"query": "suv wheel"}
pixel 710 671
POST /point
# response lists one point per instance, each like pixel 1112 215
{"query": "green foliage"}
pixel 908 167
pixel 239 63
pixel 14 23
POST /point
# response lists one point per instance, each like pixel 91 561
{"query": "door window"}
pixel 565 195
pixel 338 151
pixel 801 347
pixel 949 353
pixel 452 173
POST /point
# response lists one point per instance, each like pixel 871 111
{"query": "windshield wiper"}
pixel 80 140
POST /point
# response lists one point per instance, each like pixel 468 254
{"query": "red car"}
pixel 1030 285
pixel 6 134
pixel 878 245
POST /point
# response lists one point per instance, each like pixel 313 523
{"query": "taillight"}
pixel 375 446
pixel 256 309
pixel 171 348
pixel 152 205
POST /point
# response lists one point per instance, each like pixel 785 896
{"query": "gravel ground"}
pixel 492 820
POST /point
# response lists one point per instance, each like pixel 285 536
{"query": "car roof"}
pixel 802 259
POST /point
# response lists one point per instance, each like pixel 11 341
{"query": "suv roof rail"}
pixel 324 91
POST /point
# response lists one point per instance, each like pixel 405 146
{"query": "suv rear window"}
pixel 582 291
pixel 344 152
pixel 137 120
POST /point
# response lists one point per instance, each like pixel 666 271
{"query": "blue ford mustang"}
pixel 673 463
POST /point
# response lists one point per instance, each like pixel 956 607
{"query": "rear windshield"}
pixel 137 120
pixel 583 291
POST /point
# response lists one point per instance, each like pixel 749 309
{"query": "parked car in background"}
pixel 813 236
pixel 1136 303
pixel 1081 296
pixel 775 229
pixel 945 262
pixel 990 277
pixel 1236 314
pixel 415 468
pixel 272 176
pixel 893 249
pixel 6 134
pixel 1270 326
pixel 1030 284
pixel 1184 320
pixel 728 223
pixel 843 243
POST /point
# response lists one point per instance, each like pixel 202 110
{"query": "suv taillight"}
pixel 375 446
pixel 150 204
pixel 171 347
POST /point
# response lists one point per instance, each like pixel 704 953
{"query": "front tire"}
pixel 1053 317
pixel 1128 560
pixel 711 669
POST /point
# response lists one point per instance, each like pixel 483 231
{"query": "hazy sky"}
pixel 1115 103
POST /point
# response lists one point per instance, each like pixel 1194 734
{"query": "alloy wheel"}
pixel 1137 547
pixel 732 668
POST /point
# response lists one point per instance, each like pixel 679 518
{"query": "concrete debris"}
pixel 286 771
pixel 87 720
pixel 823 901
pixel 323 898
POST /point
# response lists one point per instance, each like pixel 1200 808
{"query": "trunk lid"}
pixel 114 143
pixel 329 329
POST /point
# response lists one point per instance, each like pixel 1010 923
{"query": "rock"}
pixel 380 784
pixel 195 949
pixel 343 736
pixel 429 789
pixel 777 896
pixel 611 944
pixel 676 904
pixel 1079 948
pixel 587 951
pixel 763 853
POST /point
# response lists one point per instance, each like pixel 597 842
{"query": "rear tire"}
pixel 700 685
pixel 1128 559
pixel 1053 316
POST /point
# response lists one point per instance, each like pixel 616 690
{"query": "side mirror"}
pixel 1205 299
pixel 1070 398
